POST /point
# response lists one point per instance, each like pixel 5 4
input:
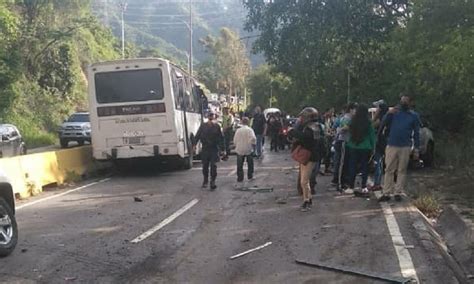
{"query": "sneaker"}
pixel 213 185
pixel 205 184
pixel 349 191
pixel 305 206
pixel 365 190
pixel 240 180
pixel 398 198
pixel 384 198
pixel 250 178
pixel 310 203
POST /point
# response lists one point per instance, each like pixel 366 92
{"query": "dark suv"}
pixel 8 226
pixel 12 143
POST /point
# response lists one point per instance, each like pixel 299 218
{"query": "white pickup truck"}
pixel 8 226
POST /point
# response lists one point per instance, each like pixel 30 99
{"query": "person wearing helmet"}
pixel 212 140
pixel 308 135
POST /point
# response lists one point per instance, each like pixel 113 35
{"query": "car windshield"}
pixel 129 86
pixel 79 118
pixel 3 130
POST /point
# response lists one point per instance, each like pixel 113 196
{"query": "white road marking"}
pixel 165 222
pixel 61 194
pixel 404 259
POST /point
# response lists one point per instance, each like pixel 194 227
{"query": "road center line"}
pixel 61 194
pixel 404 259
pixel 165 222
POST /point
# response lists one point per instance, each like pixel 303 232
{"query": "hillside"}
pixel 161 25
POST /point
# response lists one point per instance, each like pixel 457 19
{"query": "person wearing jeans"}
pixel 244 141
pixel 360 146
pixel 404 125
pixel 380 145
pixel 340 157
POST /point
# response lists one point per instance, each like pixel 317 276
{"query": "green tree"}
pixel 268 88
pixel 229 61
pixel 319 44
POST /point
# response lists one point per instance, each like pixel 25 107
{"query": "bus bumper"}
pixel 136 151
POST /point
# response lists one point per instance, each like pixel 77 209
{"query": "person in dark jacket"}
pixel 259 126
pixel 212 140
pixel 308 135
pixel 381 143
pixel 274 128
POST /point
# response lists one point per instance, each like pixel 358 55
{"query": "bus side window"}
pixel 178 89
pixel 196 100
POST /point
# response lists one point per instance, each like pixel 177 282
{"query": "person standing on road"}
pixel 360 147
pixel 227 123
pixel 329 135
pixel 274 128
pixel 380 145
pixel 244 141
pixel 308 136
pixel 259 126
pixel 212 141
pixel 404 126
pixel 342 135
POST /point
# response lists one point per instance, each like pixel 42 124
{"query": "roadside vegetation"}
pixel 44 49
pixel 325 53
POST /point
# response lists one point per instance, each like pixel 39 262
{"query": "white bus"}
pixel 144 108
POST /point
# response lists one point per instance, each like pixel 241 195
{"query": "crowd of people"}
pixel 343 143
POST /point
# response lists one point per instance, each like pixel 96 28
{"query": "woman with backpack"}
pixel 307 149
pixel 360 146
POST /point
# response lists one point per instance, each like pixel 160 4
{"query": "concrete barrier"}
pixel 30 173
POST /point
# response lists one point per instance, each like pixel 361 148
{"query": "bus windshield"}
pixel 129 86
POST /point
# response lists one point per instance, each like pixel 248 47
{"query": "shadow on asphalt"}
pixel 146 167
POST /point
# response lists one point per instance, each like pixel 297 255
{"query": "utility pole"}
pixel 191 37
pixel 348 85
pixel 271 92
pixel 123 8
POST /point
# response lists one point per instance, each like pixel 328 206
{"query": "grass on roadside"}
pixel 428 204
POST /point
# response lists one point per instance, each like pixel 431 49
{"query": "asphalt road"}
pixel 95 234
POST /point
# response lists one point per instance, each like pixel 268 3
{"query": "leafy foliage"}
pixel 229 65
pixel 44 49
pixel 360 50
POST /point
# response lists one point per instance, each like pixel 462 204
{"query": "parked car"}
pixel 12 143
pixel 76 128
pixel 8 226
pixel 427 141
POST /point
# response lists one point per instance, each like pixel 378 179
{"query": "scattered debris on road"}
pixel 251 250
pixel 281 201
pixel 358 273
pixel 70 278
pixel 137 199
pixel 24 250
pixel 255 189
pixel 328 226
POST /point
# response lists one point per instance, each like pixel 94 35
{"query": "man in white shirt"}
pixel 244 141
